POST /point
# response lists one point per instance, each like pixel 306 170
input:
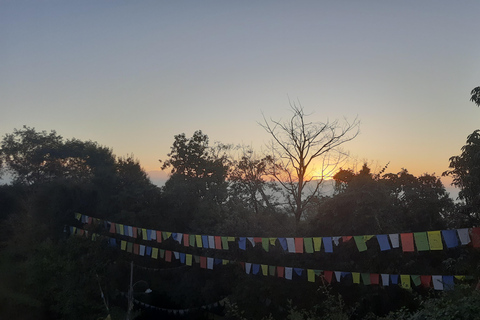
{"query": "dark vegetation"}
pixel 47 274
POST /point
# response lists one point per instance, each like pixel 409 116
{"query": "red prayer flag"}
pixel 407 242
pixel 374 278
pixel 475 236
pixel 426 280
pixel 257 239
pixel 159 236
pixel 328 276
pixel 134 231
pixel 280 271
pixel 203 262
pixel 298 245
pixel 112 227
pixel 186 238
pixel 242 264
pixel 346 238
pixel 168 255
pixel 136 248
pixel 218 242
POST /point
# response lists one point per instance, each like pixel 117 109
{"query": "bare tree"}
pixel 303 151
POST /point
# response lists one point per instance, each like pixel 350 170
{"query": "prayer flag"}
pixel 475 236
pixel 179 237
pixel 211 242
pixel 153 234
pixel 191 240
pixel 327 244
pixel 383 242
pixel 291 245
pixel 288 273
pixel 125 230
pixel 271 270
pixel 130 247
pixel 199 240
pixel 155 253
pixel 421 241
pixel 280 271
pixel 255 268
pixel 242 243
pixel 374 278
pixel 450 237
pixel 308 245
pixel 182 257
pixel 248 267
pixel 394 278
pixel 336 240
pixel 186 240
pixel 136 248
pixel 144 234
pixel 407 242
pixel 385 279
pixel 112 227
pixel 225 243
pixel 463 236
pixel 425 281
pixel 168 255
pixel 205 241
pixel 356 277
pixel 298 271
pixel 134 232
pixel 310 275
pixel 265 244
pixel 210 263
pixel 149 234
pixel 338 275
pixel 346 238
pixel 188 259
pixel 203 262
pixel 162 253
pixel 176 254
pixel 317 243
pixel 405 281
pixel 299 245
pixel 265 269
pixel 416 279
pixel 123 245
pixel 218 242
pixel 328 275
pixel 394 240
pixel 448 283
pixel 272 241
pixel 159 236
pixel 148 251
pixel 437 282
pixel 251 241
pixel 257 239
pixel 283 243
pixel 142 250
pixel 435 240
pixel 360 242
pixel 365 277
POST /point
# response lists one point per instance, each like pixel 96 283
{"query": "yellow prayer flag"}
pixel 356 277
pixel 225 261
pixel 368 237
pixel 272 241
pixel 435 240
pixel 198 237
pixel 167 234
pixel 317 243
pixel 311 275
pixel 460 278
pixel 188 259
pixel 405 281
pixel 144 234
pixel 155 253
pixel 264 269
pixel 231 238
pixel 78 216
pixel 123 245
pixel 120 228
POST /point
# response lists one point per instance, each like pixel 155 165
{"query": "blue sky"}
pixel 132 74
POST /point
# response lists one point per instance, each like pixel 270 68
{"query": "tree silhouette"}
pixel 475 96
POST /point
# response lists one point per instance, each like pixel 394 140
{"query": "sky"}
pixel 133 74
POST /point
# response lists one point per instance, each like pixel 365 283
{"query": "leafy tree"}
pixel 475 96
pixel 297 144
pixel 465 171
pixel 197 186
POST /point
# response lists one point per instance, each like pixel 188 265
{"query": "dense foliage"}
pixel 47 274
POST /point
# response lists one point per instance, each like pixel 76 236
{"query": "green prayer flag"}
pixel 271 270
pixel 421 241
pixel 265 244
pixel 416 280
pixel 317 243
pixel 308 243
pixel 162 253
pixel 191 240
pixel 225 243
pixel 365 278
pixel 129 247
pixel 360 242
